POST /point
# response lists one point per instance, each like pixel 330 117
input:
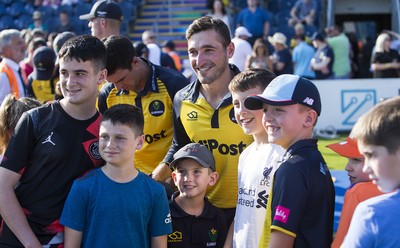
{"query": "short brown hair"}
pixel 206 23
pixel 251 78
pixel 380 125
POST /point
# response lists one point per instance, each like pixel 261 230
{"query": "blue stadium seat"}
pixel 2 8
pixel 23 21
pixel 6 22
pixel 82 8
pixel 51 23
pixel 15 9
pixel 127 11
pixel 29 9
pixel 286 4
pixel 47 11
pixel 273 5
pixel 7 2
pixel 65 8
pixel 282 17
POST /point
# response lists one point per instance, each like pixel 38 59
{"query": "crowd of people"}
pixel 106 143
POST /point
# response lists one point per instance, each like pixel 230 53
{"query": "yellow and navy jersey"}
pixel 42 90
pixel 156 102
pixel 197 121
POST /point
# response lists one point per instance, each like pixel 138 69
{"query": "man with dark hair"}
pixel 203 111
pixel 136 81
pixel 51 147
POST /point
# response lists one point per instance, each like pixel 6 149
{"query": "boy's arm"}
pixel 229 236
pixel 280 240
pixel 159 242
pixel 72 238
pixel 11 211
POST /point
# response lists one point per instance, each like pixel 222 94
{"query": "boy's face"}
pixel 286 125
pixel 192 179
pixel 355 172
pixel 249 120
pixel 383 168
pixel 118 143
pixel 208 57
pixel 79 81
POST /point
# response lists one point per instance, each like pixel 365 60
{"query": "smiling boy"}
pixel 196 222
pixel 301 203
pixel 102 201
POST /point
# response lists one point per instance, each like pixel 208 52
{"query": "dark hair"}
pixel 85 48
pixel 206 23
pixel 120 53
pixel 127 115
pixel 36 43
pixel 222 9
pixel 251 78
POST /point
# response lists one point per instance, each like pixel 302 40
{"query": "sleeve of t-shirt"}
pixel 21 145
pixel 75 208
pixel 288 199
pixel 160 220
pixel 359 234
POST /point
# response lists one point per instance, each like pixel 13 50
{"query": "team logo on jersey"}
pixel 94 150
pixel 192 116
pixel 262 199
pixel 213 234
pixel 282 214
pixel 175 237
pixel 156 108
pixel 232 116
pixel 48 139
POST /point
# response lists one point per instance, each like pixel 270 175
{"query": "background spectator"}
pixel 303 11
pixel 38 22
pixel 322 62
pixel 340 45
pixel 218 11
pixel 281 58
pixel 65 24
pixel 301 57
pixel 242 48
pixel 255 19
pixel 259 58
pixel 385 61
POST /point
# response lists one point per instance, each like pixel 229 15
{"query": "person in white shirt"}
pixel 242 47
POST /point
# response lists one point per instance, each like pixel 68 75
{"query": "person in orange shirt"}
pixel 361 188
pixel 169 47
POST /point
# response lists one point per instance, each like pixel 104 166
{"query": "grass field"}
pixel 332 159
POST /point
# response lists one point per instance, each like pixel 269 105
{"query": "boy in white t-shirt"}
pixel 257 163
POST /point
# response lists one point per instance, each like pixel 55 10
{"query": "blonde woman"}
pixel 259 59
pixel 385 61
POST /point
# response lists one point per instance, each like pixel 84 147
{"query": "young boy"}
pixel 196 222
pixel 51 146
pixel 302 197
pixel 375 222
pixel 257 163
pixel 360 189
pixel 116 205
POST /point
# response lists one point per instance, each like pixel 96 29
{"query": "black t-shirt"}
pixel 386 57
pixel 207 230
pixel 303 196
pixel 50 149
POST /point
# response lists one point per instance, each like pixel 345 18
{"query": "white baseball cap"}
pixel 242 31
